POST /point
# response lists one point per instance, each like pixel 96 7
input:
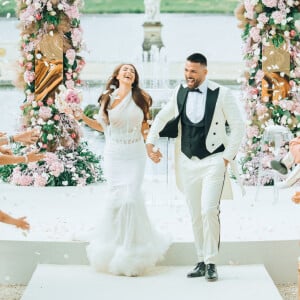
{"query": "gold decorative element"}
pixel 48 65
pixel 276 59
pixel 51 46
pixel 275 87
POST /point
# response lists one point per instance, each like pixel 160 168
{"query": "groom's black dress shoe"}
pixel 198 271
pixel 279 166
pixel 211 272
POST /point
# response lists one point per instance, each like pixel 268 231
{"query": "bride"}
pixel 125 243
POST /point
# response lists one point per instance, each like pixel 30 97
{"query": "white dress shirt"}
pixel 195 104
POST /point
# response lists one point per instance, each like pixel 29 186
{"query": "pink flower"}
pixel 40 180
pixel 45 112
pixel 252 131
pixel 72 12
pixel 278 17
pixel 262 18
pixel 70 84
pixel 56 168
pixel 28 66
pixel 50 101
pixel 70 55
pixel 286 104
pixel 259 76
pixel 72 97
pixel 255 34
pixel 69 76
pixel 29 76
pixel 249 7
pixel 76 35
pixel 270 3
pixel 56 117
pixel 261 109
pixel 23 180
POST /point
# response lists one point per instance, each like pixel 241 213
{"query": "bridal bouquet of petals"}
pixel 68 101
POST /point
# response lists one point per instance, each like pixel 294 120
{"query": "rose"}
pixel 73 135
pixel 38 17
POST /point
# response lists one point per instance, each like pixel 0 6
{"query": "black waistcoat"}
pixel 193 135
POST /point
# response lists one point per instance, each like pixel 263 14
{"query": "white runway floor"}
pixel 170 283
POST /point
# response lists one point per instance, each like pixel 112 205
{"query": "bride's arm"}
pixel 145 129
pixel 91 123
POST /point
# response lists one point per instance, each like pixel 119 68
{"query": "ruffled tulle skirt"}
pixel 125 242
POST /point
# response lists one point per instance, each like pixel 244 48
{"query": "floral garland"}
pixel 65 167
pixel 264 23
pixel 68 161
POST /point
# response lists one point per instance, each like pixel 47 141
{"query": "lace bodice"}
pixel 125 121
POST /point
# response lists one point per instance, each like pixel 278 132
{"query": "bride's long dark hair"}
pixel 140 97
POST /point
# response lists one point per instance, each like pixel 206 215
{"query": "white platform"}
pixel 169 283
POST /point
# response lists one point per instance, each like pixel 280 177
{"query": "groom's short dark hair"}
pixel 197 58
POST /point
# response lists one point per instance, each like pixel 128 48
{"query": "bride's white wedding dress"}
pixel 125 242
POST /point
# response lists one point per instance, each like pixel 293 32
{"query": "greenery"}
pixel 91 110
pixel 137 6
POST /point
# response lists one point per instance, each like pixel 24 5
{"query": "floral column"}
pixel 49 69
pixel 268 24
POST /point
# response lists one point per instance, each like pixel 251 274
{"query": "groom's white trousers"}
pixel 202 181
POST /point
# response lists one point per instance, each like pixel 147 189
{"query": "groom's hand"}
pixel 153 153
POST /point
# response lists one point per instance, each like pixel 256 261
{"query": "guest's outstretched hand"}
pixel 27 137
pixel 35 156
pixel 5 150
pixel 22 223
pixel 296 198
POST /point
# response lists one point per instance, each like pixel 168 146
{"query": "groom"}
pixel 201 114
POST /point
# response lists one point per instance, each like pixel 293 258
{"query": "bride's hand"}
pixel 153 153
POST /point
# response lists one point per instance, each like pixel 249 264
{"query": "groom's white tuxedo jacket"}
pixel 225 109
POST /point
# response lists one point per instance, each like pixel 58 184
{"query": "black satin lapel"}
pixel 181 98
pixel 211 100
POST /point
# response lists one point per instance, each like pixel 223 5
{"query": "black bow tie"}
pixel 195 90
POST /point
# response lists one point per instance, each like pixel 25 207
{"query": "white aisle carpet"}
pixel 57 282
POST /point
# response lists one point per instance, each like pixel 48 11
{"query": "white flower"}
pixel 283 22
pixel 297 25
pixel 29 57
pixel 38 56
pixel 34 104
pixel 60 6
pixel 31 19
pixel 257 52
pixel 287 33
pixel 40 121
pixel 50 122
pixel 51 33
pixel 49 137
pixel 65 182
pixel 52 13
pixel 37 5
